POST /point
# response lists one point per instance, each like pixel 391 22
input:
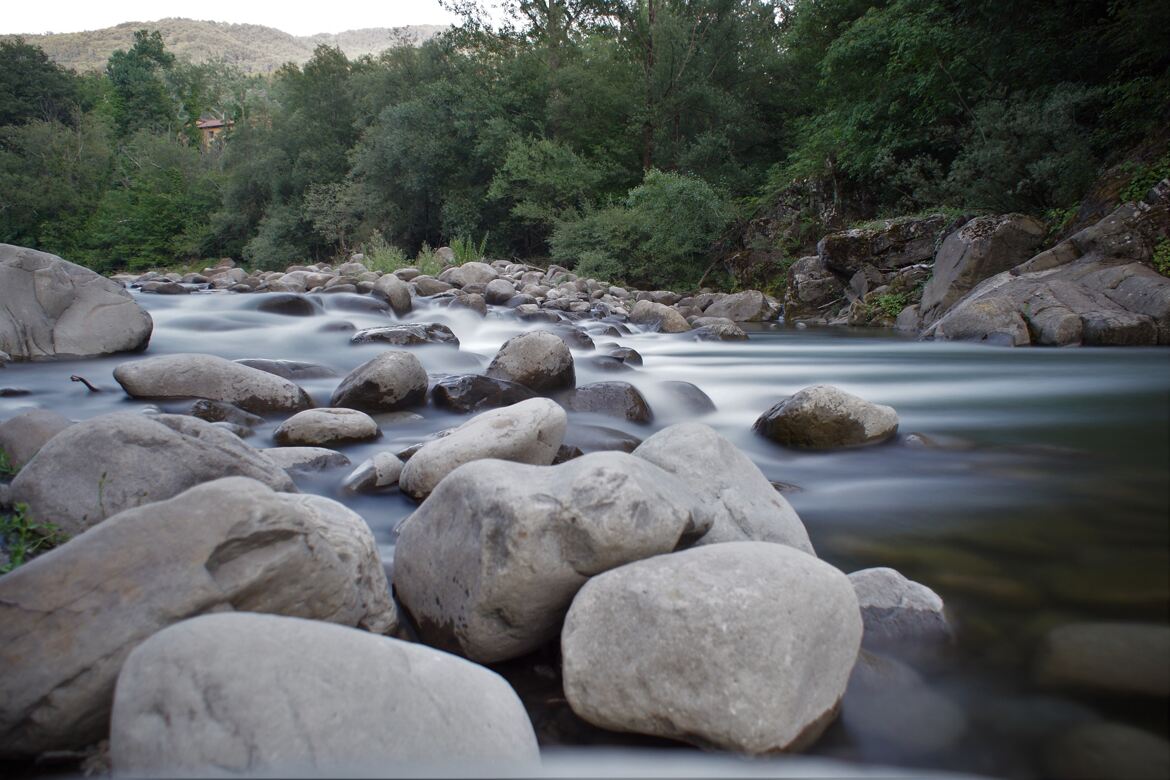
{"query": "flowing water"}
pixel 1037 494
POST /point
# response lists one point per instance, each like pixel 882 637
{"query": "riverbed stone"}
pixel 538 359
pixel 499 291
pixel 407 335
pixel 489 563
pixel 741 501
pixel 688 396
pixel 264 694
pixel 22 436
pixel 289 304
pixel 391 381
pixel 824 417
pixel 716 329
pixel 1107 749
pixel 659 317
pixel 744 646
pixel 528 432
pixel 746 306
pixel 615 399
pixel 219 411
pixel 474 392
pixel 1126 659
pixel 321 427
pixel 292 370
pixel 395 292
pixel 382 470
pixel 207 376
pixel 306 458
pixel 99 467
pixel 469 273
pixel 232 544
pixel 894 608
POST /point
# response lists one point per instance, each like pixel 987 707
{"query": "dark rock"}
pixel 296 370
pixel 688 396
pixel 405 335
pixel 616 399
pixel 288 304
pixel 473 393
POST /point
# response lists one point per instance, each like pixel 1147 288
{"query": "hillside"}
pixel 251 47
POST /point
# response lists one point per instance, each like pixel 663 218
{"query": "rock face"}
pixel 982 248
pixel 889 246
pixel 473 393
pixel 813 290
pixel 255 694
pixel 407 335
pixel 616 399
pixel 746 306
pixel 741 501
pixel 823 417
pixel 391 381
pixel 99 467
pixel 50 307
pixel 658 316
pixel 488 564
pixel 894 608
pixel 211 377
pixel 22 436
pixel 1110 658
pixel 538 359
pixel 745 646
pixel 321 427
pixel 228 545
pixel 528 432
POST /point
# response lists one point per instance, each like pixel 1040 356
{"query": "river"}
pixel 1037 494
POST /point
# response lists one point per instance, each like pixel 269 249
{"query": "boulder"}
pixel 305 458
pixel 889 245
pixel 218 411
pixel 746 306
pixel 469 273
pixel 499 291
pixel 211 377
pixel 741 501
pixel 824 416
pixel 528 432
pixel 615 399
pixel 232 544
pixel 407 335
pixel 982 248
pixel 389 382
pixel 894 608
pixel 538 359
pixel 1104 749
pixel 745 646
pixel 50 307
pixel 473 393
pixel 473 302
pixel 288 304
pixel 22 436
pixel 716 329
pixel 292 370
pixel 320 427
pixel 659 317
pixel 260 694
pixel 813 291
pixel 689 396
pixel 382 470
pixel 429 285
pixel 489 563
pixel 101 466
pixel 395 292
pixel 1118 659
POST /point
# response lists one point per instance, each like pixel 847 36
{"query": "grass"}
pixel 881 223
pixel 1161 259
pixel 889 305
pixel 24 538
pixel 6 467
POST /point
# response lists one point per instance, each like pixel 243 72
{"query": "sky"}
pixel 291 16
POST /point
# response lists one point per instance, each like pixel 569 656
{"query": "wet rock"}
pixel 5 358
pixel 629 356
pixel 746 306
pixel 741 501
pixel 994 320
pixel 428 285
pixel 616 399
pixel 218 411
pixel 99 467
pixel 321 427
pixel 1121 659
pixel 473 393
pixel 688 396
pixel 166 288
pixel 499 291
pixel 1096 750
pixel 360 304
pixel 891 245
pixel 472 301
pixel 598 438
pixel 283 704
pixel 293 370
pixel 659 317
pixel 395 292
pixel 566 454
pixel 22 436
pixel 387 383
pixel 813 290
pixel 895 609
pixel 824 416
pixel 337 327
pixel 50 307
pixel 382 470
pixel 716 329
pixel 407 335
pixel 213 378
pixel 533 313
pixel 306 458
pixel 528 432
pixel 469 273
pixel 488 564
pixel 289 304
pixel 232 544
pixel 539 359
pixel 751 648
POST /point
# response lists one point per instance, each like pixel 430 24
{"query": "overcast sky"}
pixel 298 18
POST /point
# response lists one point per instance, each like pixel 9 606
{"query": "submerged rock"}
pixel 1126 659
pixel 319 427
pixel 894 608
pixel 407 335
pixel 293 370
pixel 214 378
pixel 824 416
pixel 473 393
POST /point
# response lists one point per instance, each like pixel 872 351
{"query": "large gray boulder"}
pixel 475 392
pixel 1126 659
pixel 887 246
pixel 746 306
pixel 101 466
pixel 614 399
pixel 389 382
pixel 982 248
pixel 745 646
pixel 741 501
pixel 894 608
pixel 395 292
pixel 469 273
pixel 211 377
pixel 539 360
pixel 322 427
pixel 22 436
pixel 252 694
pixel 813 291
pixel 69 618
pixel 488 564
pixel 50 307
pixel 528 432
pixel 659 317
pixel 824 417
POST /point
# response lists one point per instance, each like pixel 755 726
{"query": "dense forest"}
pixel 632 139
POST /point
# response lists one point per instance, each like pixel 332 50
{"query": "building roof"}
pixel 209 124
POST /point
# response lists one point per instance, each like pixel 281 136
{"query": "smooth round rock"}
pixel 616 399
pixel 320 427
pixel 539 360
pixel 473 393
pixel 658 316
pixel 826 417
pixel 894 608
pixel 22 436
pixel 305 458
pixel 382 470
pixel 288 304
pixel 211 377
pixel 390 382
pixel 407 335
pixel 395 292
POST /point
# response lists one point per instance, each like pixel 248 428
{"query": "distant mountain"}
pixel 252 47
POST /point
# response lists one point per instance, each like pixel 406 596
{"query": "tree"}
pixel 33 88
pixel 141 100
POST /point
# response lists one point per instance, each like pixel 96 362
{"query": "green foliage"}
pixel 889 305
pixel 6 467
pixel 467 251
pixel 427 261
pixel 140 97
pixel 33 88
pixel 1144 177
pixel 382 256
pixel 24 538
pixel 1161 259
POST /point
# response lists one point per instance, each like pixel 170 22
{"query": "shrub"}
pixel 24 538
pixel 1161 259
pixel 467 251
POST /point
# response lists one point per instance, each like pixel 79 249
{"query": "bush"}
pixel 382 256
pixel 467 251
